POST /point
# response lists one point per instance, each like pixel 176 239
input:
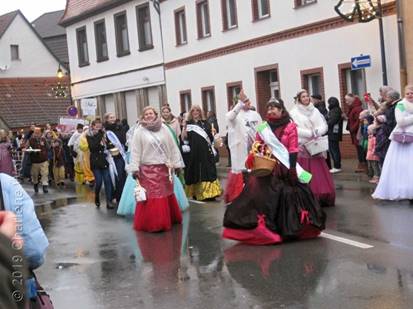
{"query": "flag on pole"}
pixel 156 6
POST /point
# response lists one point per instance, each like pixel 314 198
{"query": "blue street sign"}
pixel 360 62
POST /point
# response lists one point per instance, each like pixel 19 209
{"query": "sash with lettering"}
pixel 280 151
pixel 198 130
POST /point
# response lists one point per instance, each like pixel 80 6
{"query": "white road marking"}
pixel 197 202
pixel 346 241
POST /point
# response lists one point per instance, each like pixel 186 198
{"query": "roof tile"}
pixel 27 100
pixel 5 21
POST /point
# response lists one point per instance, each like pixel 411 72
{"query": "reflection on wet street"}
pixel 97 260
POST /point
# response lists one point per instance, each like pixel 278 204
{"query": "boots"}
pixel 110 205
pixel 36 188
pixel 45 189
pixel 97 200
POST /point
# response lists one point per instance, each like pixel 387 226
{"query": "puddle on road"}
pixel 66 265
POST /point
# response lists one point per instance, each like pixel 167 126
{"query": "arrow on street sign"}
pixel 360 62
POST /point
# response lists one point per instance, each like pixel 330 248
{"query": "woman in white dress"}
pixel 311 125
pixel 397 172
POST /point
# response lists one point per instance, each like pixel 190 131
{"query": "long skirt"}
pixel 235 184
pixel 322 183
pixel 160 210
pixel 271 210
pixel 127 204
pixel 397 174
pixel 204 190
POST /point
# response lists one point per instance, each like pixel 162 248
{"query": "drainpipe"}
pixel 402 46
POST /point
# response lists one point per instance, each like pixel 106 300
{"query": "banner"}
pixel 280 152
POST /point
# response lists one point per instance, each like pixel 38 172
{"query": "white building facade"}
pixel 115 56
pixel 22 51
pixel 269 48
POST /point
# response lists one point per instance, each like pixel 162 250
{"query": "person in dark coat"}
pixel 318 102
pixel 386 120
pixel 119 156
pixel 335 133
pixel 212 120
pixel 96 139
pixel 353 124
pixel 12 263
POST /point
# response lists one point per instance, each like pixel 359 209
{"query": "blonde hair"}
pixel 408 87
pixel 149 108
pixel 4 136
pixel 106 116
pixel 194 107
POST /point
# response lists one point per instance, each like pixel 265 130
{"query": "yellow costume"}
pixel 87 171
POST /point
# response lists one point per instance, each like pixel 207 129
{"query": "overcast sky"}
pixel 31 8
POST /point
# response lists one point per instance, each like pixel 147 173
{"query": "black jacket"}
pixel 321 106
pixel 335 123
pixel 97 151
pixel 118 130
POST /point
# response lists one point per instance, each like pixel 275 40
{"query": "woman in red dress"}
pixel 277 207
pixel 154 155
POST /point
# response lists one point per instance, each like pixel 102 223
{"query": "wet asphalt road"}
pixel 96 260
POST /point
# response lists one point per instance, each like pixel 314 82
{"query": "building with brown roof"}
pixel 27 76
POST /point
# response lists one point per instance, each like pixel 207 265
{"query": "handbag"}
pixel 317 145
pixel 403 137
pixel 140 192
pixel 42 299
pixel 186 148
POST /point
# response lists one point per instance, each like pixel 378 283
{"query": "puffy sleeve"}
pixel 135 151
pixel 320 123
pixel 301 131
pixel 292 134
pixel 403 119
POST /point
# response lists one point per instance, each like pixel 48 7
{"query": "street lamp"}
pixel 60 91
pixel 365 11
pixel 60 73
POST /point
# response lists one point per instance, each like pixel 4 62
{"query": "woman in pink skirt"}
pixel 154 155
pixel 311 125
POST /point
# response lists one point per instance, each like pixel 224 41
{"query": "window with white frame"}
pixel 144 27
pixel 180 27
pixel 122 37
pixel 208 99
pixel 100 41
pixel 203 21
pixel 355 81
pixel 263 8
pixel 229 14
pixel 82 49
pixel 186 100
pixel 274 84
pixel 299 3
pixel 260 9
